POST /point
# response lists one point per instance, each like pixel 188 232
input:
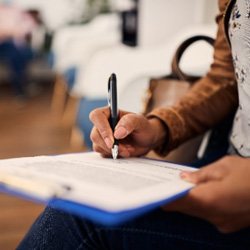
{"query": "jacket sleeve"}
pixel 208 102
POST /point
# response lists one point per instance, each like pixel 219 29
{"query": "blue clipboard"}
pixel 91 213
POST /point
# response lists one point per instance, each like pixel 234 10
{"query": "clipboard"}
pixel 82 209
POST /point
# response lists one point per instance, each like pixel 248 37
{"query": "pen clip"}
pixel 109 92
pixel 112 95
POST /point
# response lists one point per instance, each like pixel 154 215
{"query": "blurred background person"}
pixel 15 29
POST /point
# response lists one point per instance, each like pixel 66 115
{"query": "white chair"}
pixel 73 46
pixel 134 66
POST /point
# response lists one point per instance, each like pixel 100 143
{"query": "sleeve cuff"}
pixel 175 125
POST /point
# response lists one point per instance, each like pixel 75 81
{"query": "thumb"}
pixel 211 172
pixel 128 124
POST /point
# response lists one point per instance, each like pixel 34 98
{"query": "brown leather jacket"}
pixel 210 100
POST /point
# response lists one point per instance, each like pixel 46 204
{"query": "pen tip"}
pixel 114 151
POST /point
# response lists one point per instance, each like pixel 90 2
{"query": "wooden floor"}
pixel 27 128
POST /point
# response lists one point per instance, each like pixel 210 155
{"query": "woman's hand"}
pixel 222 194
pixel 136 134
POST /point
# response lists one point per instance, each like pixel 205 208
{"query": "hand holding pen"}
pixel 136 134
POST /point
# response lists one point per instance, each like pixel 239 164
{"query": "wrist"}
pixel 160 132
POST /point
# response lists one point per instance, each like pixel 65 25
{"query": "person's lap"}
pixel 55 229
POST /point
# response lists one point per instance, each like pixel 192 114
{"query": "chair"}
pixel 74 46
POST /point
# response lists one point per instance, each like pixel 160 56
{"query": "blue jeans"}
pixel 55 229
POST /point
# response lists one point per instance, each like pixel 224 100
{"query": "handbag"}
pixel 166 91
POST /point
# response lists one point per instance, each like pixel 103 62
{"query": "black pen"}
pixel 112 101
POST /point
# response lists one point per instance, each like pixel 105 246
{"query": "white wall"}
pixel 210 10
pixel 55 13
pixel 160 19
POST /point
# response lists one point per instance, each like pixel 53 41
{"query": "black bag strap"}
pixel 176 71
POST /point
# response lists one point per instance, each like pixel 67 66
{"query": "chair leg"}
pixel 76 139
pixel 64 108
pixel 70 111
pixel 69 120
pixel 59 97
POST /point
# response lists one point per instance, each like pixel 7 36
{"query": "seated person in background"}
pixel 15 26
pixel 219 204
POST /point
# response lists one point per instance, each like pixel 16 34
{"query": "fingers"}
pixel 214 171
pixel 98 143
pixel 203 175
pixel 100 147
pixel 201 201
pixel 103 131
pixel 127 125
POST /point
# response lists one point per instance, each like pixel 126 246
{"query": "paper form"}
pixel 87 178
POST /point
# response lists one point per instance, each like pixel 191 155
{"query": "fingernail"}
pixel 184 175
pixel 120 133
pixel 109 142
